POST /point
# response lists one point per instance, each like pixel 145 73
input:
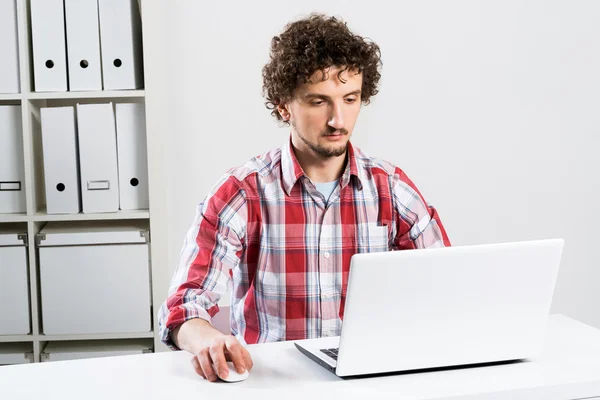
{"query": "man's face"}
pixel 323 113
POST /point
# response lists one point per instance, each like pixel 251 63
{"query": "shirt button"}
pixel 326 254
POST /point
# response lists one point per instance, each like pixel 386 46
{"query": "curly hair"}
pixel 315 44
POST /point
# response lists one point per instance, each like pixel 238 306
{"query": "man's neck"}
pixel 320 169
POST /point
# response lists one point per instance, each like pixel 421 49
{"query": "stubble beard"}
pixel 322 150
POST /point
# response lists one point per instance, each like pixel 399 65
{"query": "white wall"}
pixel 492 108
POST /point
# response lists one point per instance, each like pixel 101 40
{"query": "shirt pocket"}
pixel 372 238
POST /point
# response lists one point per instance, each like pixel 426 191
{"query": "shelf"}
pixel 16 338
pixel 11 96
pixel 101 94
pixel 41 216
pixel 22 217
pixel 97 336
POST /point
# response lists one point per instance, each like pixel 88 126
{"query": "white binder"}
pixel 98 158
pixel 59 143
pixel 9 48
pixel 83 45
pixel 48 40
pixel 12 168
pixel 131 150
pixel 121 44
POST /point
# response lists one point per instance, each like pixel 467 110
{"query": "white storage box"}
pixel 94 277
pixel 14 285
pixel 16 353
pixel 62 351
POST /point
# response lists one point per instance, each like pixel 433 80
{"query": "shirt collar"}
pixel 292 171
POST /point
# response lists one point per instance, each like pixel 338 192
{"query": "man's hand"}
pixel 209 347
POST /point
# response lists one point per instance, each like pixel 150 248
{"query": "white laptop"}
pixel 455 306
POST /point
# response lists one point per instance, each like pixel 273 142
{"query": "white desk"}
pixel 568 369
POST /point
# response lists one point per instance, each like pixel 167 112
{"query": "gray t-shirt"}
pixel 326 188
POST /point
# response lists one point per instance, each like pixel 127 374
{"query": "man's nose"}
pixel 337 119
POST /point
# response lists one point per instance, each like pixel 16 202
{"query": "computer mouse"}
pixel 233 376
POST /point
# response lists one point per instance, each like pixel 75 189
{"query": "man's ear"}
pixel 283 111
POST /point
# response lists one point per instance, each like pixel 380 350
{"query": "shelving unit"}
pixel 36 216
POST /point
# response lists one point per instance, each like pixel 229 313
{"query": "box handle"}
pixel 39 238
pixel 98 185
pixel 10 186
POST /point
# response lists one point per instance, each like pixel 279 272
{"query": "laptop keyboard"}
pixel 333 353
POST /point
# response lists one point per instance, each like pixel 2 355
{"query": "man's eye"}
pixel 317 103
pixel 350 100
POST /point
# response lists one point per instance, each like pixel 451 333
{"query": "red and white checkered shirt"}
pixel 266 233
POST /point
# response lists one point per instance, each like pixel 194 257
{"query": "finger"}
pixel 247 358
pixel 218 358
pixel 196 366
pixel 206 365
pixel 235 352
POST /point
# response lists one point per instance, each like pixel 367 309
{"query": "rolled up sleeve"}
pixel 212 248
pixel 418 224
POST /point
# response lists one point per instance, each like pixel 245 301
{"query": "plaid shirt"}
pixel 267 233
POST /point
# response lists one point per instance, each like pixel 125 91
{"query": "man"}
pixel 283 227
